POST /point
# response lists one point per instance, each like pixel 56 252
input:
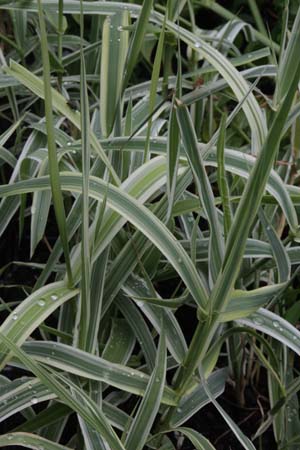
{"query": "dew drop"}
pixel 275 324
pixel 14 316
pixel 54 297
pixel 69 144
pixel 33 210
pixel 34 400
pixel 120 28
pixel 258 320
pixel 74 152
pixel 197 44
pixel 268 228
pixel 179 410
pixel 41 303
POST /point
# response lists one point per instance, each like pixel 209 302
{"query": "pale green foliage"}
pixel 165 196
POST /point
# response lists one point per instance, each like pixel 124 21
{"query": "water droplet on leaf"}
pixel 258 320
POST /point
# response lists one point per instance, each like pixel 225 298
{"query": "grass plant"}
pixel 151 170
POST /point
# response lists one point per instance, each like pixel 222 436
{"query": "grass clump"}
pixel 150 169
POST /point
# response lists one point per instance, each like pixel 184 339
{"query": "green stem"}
pixel 257 17
pixel 236 243
pixel 60 33
pixel 52 151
